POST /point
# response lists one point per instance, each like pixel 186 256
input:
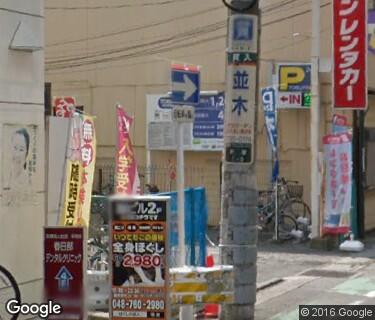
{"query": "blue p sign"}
pixel 269 99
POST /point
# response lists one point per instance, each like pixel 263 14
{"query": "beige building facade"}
pixel 105 54
pixel 22 144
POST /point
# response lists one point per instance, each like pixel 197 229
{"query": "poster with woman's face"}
pixel 19 161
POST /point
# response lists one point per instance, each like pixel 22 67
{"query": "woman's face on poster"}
pixel 19 149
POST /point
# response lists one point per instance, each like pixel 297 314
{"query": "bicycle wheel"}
pixel 8 290
pixel 297 208
pixel 285 227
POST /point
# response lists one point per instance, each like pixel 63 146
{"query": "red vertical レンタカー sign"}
pixel 350 54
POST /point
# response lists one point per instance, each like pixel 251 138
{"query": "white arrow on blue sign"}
pixel 63 278
pixel 185 84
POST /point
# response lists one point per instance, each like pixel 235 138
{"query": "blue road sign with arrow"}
pixel 185 84
pixel 63 278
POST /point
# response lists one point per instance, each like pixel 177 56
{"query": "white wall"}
pixel 22 104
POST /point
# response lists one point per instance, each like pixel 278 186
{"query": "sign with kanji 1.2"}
pixel 204 134
pixel 185 84
pixel 350 54
pixel 139 267
pixel 64 270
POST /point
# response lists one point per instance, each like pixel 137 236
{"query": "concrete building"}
pixel 104 54
pixel 22 201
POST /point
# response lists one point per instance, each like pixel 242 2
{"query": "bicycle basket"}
pixel 295 190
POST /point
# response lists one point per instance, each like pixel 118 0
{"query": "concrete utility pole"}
pixel 315 118
pixel 238 234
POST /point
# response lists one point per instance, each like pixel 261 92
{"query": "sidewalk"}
pixel 308 276
pixel 291 274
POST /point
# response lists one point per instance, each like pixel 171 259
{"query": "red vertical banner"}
pixel 63 270
pixel 350 54
pixel 127 179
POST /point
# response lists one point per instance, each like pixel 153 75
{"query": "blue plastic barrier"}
pixel 196 215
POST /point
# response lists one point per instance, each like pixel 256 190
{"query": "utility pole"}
pixel 315 118
pixel 238 230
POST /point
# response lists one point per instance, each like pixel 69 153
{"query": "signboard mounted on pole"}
pixel 204 134
pixel 64 270
pixel 243 30
pixel 240 110
pixel 350 54
pixel 294 85
pixel 139 268
pixel 185 84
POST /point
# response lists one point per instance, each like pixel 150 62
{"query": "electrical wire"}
pixel 143 53
pixel 147 4
pixel 192 32
pixel 158 49
pixel 136 28
pixel 89 55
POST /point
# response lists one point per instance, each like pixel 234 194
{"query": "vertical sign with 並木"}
pixel 240 108
pixel 139 251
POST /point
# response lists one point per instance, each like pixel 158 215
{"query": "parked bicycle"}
pixel 9 290
pixel 293 212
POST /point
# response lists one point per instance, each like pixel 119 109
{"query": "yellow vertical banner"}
pixel 88 157
pixel 81 156
pixel 73 185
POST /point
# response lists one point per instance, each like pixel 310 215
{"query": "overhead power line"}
pixel 157 49
pixel 136 28
pixel 142 53
pixel 147 4
pixel 181 36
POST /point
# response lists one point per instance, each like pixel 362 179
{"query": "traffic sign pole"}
pixel 181 194
pixel 315 119
pixel 185 94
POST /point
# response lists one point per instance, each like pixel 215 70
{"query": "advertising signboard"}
pixel 139 255
pixel 64 107
pixel 371 31
pixel 350 55
pixel 294 85
pixel 204 134
pixel 270 116
pixel 338 183
pixel 64 270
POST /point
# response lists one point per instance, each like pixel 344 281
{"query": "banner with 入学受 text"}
pixel 127 178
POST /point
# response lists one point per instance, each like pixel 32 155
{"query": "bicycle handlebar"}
pixel 285 181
